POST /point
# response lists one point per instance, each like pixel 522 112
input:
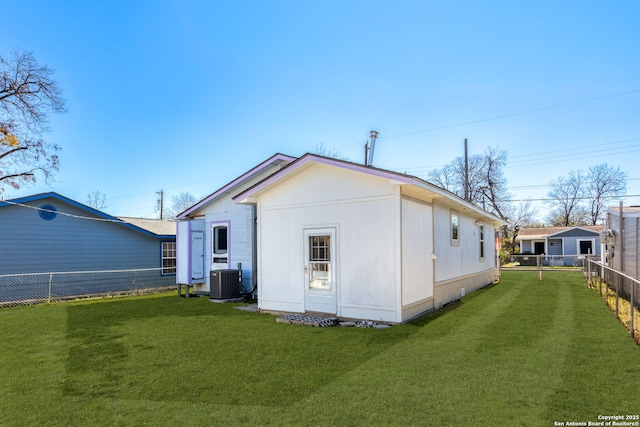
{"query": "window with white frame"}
pixel 586 246
pixel 455 228
pixel 168 257
pixel 220 240
pixel 220 245
pixel 481 234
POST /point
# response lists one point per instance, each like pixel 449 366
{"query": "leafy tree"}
pixel 28 94
pixel 97 200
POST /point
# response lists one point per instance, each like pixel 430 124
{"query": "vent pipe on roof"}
pixel 370 148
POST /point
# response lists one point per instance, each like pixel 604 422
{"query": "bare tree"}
pixel 28 94
pixel 604 183
pixel 445 178
pixel 579 199
pixel 487 185
pixel 566 198
pixel 494 188
pixel 518 216
pixel 96 200
pixel 181 203
pixel 322 150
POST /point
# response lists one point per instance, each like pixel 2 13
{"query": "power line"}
pixel 573 149
pixel 55 211
pixel 504 116
pixel 573 198
pixel 553 155
pixel 545 157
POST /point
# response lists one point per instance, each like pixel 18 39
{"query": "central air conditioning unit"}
pixel 225 284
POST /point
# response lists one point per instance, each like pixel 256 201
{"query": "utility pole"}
pixel 366 154
pixel 466 172
pixel 160 201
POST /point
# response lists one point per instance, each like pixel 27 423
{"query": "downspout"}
pixel 254 253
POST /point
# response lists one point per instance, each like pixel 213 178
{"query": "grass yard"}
pixel 519 353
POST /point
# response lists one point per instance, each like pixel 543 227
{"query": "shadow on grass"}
pixel 172 349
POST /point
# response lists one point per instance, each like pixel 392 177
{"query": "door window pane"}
pixel 319 248
pixel 320 262
pixel 220 240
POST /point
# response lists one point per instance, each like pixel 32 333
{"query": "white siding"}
pixel 241 221
pixel 417 262
pixel 458 266
pixel 386 232
pixel 463 259
pixel 364 212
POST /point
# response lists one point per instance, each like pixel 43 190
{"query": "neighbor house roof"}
pixel 164 232
pixel 156 226
pixel 626 210
pixel 249 195
pixel 232 186
pixel 541 233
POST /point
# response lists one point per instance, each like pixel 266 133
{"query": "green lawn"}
pixel 517 353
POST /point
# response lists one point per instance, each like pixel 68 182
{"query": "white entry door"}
pixel 197 255
pixel 319 270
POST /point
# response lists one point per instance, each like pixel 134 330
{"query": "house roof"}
pixel 155 226
pixel 249 196
pixel 232 186
pixel 540 233
pixel 626 210
pixel 93 214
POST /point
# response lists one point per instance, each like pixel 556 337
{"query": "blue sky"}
pixel 184 96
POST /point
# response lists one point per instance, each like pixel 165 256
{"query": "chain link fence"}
pixel 36 288
pixel 544 262
pixel 619 290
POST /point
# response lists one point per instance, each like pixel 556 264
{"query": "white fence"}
pixel 35 288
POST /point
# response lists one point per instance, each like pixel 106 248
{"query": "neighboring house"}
pixel 49 232
pixel 218 234
pixel 567 242
pixel 365 243
pixel 52 233
pixel 623 245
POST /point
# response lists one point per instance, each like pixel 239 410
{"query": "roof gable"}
pixel 539 233
pixel 249 196
pixel 228 188
pixel 93 214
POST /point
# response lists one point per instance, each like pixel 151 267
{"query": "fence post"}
pixel 133 281
pixel 539 261
pixel 50 280
pixel 617 292
pixel 600 273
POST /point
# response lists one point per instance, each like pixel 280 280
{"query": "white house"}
pixel 218 234
pixel 360 242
